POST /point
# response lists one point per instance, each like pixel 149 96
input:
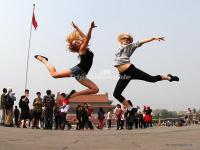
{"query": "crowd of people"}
pixel 132 119
pixel 50 112
pixel 43 112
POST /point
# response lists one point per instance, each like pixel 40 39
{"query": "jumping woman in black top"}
pixel 128 71
pixel 77 43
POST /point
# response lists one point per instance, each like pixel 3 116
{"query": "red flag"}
pixel 34 22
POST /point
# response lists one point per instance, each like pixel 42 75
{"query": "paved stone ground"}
pixel 162 138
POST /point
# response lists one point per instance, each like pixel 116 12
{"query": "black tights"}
pixel 132 73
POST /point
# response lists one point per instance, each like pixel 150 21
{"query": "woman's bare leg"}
pixel 52 69
pixel 126 104
pixel 165 77
pixel 92 88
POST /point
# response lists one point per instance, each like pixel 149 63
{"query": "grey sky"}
pixel 177 20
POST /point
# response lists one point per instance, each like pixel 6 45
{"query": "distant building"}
pixel 96 101
pixel 182 114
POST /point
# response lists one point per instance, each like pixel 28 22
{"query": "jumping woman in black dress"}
pixel 77 43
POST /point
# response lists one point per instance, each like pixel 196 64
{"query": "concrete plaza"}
pixel 158 138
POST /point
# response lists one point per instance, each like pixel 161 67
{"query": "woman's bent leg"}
pixel 92 88
pixel 119 88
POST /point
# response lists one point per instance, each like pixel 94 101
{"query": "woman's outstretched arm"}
pixel 79 30
pixel 83 47
pixel 152 39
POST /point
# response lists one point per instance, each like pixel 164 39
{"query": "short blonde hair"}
pixel 71 37
pixel 122 35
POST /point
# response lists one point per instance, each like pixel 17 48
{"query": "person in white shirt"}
pixel 109 118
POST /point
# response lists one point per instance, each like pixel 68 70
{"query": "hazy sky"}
pixel 177 20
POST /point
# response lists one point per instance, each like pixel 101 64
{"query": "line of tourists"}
pixel 50 112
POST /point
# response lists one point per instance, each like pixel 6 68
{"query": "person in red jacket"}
pixel 89 114
pixel 148 117
pixel 64 107
pixel 118 113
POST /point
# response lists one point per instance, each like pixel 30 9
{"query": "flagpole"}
pixel 29 45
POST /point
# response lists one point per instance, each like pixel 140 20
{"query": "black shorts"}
pixel 25 115
pixel 78 73
pixel 37 115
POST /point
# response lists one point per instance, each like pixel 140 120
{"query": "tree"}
pixel 164 113
pixel 194 110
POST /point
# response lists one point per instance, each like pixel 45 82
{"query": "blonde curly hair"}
pixel 127 35
pixel 71 37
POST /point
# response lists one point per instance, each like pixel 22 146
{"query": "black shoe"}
pixel 36 56
pixel 69 128
pixel 173 78
pixel 24 126
pixel 70 94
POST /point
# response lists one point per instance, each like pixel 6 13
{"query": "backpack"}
pixel 2 100
pixel 8 102
pixel 101 115
pixel 49 102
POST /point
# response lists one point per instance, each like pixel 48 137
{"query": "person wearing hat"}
pixel 128 71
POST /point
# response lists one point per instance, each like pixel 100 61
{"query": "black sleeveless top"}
pixel 86 61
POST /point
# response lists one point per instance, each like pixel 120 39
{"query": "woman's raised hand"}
pixel 93 25
pixel 159 38
pixel 74 25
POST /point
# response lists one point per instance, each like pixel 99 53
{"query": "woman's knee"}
pixel 115 94
pixel 118 96
pixel 95 90
pixel 56 75
pixel 53 74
